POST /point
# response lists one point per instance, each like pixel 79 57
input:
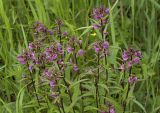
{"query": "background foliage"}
pixel 132 22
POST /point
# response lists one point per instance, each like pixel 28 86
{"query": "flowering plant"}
pixel 68 68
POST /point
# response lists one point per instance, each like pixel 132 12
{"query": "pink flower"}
pixel 30 67
pixel 31 55
pixel 105 45
pixel 99 13
pixel 130 63
pixel 96 48
pixel 64 34
pixel 48 51
pixel 75 67
pixel 52 84
pixel 132 79
pixel 59 48
pixel 31 46
pixel 112 110
pixel 122 67
pixel 125 56
pixel 21 59
pixel 80 52
pixel 107 11
pixel 136 60
pixel 37 61
pixel 138 54
pixel 50 32
pixel 69 49
pixel 54 56
pixel 47 73
pixel 96 26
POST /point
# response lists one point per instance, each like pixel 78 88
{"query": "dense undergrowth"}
pixel 77 56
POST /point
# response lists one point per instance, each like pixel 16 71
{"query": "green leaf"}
pixel 140 105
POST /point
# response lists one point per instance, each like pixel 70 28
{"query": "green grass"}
pixel 131 22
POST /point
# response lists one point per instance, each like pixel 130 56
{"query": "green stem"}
pixel 124 102
pixel 69 92
pixel 33 85
pixel 61 99
pixel 96 85
pixel 105 59
pixel 59 107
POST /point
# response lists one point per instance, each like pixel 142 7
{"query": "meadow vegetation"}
pixel 79 56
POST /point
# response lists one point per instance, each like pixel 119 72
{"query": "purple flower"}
pixel 138 54
pixel 59 48
pixel 69 49
pixel 60 62
pixel 50 32
pixel 75 67
pixel 37 61
pixel 39 27
pixel 31 46
pixel 100 13
pixel 96 48
pixel 31 55
pixel 51 57
pixel 64 34
pixel 125 56
pixel 21 59
pixel 105 33
pixel 105 45
pixel 131 57
pixel 122 67
pixel 54 56
pixel 131 51
pixel 30 67
pixel 130 63
pixel 80 52
pixel 107 11
pixel 48 51
pixel 132 79
pixel 104 21
pixel 136 60
pixel 112 110
pixel 42 56
pixel 96 26
pixel 47 73
pixel 52 84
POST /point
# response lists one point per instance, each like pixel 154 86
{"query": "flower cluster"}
pixel 28 57
pixel 40 29
pixel 132 79
pixel 100 14
pixel 52 76
pixel 101 46
pixel 52 57
pixel 58 30
pixel 130 57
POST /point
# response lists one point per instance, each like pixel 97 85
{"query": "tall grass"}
pixel 132 22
